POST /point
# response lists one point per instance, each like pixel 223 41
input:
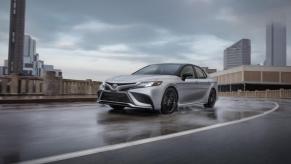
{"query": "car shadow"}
pixel 125 116
pixel 151 113
pixel 134 112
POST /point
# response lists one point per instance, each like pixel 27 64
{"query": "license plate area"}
pixel 115 97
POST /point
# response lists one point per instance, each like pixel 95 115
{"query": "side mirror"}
pixel 187 76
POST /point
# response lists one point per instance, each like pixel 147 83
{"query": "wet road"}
pixel 264 140
pixel 30 131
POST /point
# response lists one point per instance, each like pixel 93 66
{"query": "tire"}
pixel 211 99
pixel 117 107
pixel 170 101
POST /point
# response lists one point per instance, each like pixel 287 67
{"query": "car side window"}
pixel 187 72
pixel 200 73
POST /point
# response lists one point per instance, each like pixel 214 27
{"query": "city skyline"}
pixel 23 59
pixel 93 40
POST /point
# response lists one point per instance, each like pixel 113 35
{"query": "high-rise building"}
pixel 2 70
pixel 50 68
pixel 40 68
pixel 30 57
pixel 238 54
pixel 275 45
pixel 16 37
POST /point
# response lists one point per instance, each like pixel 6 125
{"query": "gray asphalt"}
pixel 264 140
pixel 31 131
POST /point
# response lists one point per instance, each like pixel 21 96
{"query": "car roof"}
pixel 182 64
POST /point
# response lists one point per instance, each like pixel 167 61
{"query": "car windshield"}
pixel 159 69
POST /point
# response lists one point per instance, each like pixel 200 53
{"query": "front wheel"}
pixel 211 99
pixel 169 101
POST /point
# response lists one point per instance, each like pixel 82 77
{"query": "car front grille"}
pixel 115 97
pixel 122 86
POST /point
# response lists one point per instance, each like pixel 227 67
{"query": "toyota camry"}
pixel 162 87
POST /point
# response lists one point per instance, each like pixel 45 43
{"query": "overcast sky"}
pixel 101 38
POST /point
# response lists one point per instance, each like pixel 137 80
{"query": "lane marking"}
pixel 139 142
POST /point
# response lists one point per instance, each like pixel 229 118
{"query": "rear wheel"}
pixel 117 107
pixel 169 101
pixel 211 99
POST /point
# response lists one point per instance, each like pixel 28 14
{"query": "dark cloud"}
pixel 150 29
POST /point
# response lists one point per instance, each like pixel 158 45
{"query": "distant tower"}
pixel 238 54
pixel 276 45
pixel 16 37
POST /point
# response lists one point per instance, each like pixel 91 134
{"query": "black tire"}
pixel 170 101
pixel 211 99
pixel 117 107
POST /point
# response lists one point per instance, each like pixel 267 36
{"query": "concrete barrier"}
pixel 282 93
pixel 46 99
pixel 49 85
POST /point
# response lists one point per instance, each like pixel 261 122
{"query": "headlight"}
pixel 149 84
pixel 102 86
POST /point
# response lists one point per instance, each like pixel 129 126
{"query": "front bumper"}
pixel 148 98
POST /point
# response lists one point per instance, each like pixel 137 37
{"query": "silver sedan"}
pixel 161 87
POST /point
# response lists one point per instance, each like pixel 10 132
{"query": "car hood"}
pixel 140 78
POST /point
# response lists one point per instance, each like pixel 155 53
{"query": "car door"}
pixel 202 83
pixel 186 88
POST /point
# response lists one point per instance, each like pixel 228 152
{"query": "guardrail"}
pixel 282 93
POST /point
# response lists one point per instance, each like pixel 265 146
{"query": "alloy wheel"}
pixel 169 101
